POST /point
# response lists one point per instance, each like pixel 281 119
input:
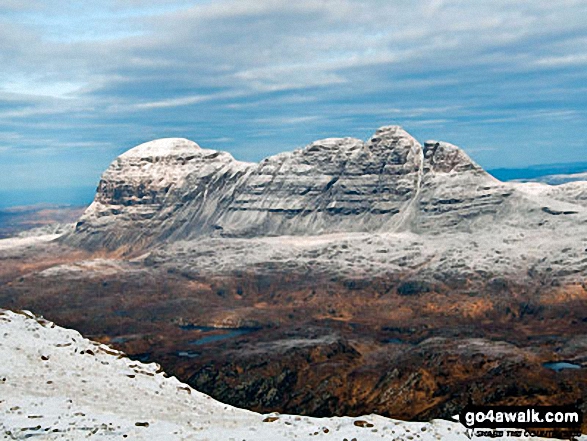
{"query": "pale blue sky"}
pixel 80 83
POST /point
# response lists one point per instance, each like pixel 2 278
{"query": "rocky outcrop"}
pixel 331 185
pixel 149 192
pixel 456 192
pixel 172 189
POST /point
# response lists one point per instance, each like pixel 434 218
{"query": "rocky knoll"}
pixel 173 189
pixel 149 190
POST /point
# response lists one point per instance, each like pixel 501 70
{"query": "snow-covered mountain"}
pixel 171 189
pixel 394 204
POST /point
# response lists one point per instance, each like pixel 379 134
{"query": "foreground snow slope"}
pixel 55 384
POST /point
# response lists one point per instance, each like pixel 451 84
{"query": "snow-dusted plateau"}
pixel 349 277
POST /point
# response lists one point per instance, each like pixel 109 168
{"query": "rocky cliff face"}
pixel 332 185
pixel 153 189
pixel 171 189
pixel 456 192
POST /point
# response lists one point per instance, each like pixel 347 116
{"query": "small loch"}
pixel 558 366
pixel 188 354
pixel 207 334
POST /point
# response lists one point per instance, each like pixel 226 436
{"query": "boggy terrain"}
pixel 460 290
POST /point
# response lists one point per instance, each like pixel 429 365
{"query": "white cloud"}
pixel 276 45
pixel 481 149
pixel 287 120
pixel 39 88
pixel 186 100
pixel 561 61
pixel 429 122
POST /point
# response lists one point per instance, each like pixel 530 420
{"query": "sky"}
pixel 83 81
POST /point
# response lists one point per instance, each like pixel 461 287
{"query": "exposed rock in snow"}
pixel 55 384
pixel 434 211
pixel 151 190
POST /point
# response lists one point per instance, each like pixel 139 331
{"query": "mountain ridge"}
pixel 172 189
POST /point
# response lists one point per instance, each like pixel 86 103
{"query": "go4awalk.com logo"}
pixel 563 422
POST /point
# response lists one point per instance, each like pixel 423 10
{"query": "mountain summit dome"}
pixel 162 147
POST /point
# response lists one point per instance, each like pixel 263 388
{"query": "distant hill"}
pixel 16 220
pixel 533 173
pixel 66 196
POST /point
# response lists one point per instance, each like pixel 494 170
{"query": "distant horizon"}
pixel 72 196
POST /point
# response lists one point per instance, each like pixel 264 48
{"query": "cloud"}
pixel 186 100
pixel 281 121
pixel 481 149
pixel 273 45
pixel 565 60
